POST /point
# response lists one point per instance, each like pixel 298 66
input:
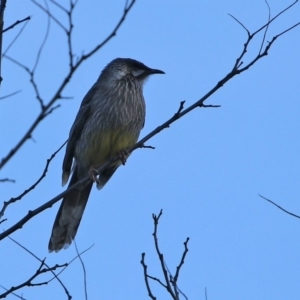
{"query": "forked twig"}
pixel 14 199
pixel 169 281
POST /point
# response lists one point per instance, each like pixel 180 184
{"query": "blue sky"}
pixel 206 171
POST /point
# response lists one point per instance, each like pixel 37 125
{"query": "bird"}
pixel 109 121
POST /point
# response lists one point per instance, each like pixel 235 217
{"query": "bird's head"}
pixel 121 68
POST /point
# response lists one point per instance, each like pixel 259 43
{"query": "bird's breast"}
pixel 113 126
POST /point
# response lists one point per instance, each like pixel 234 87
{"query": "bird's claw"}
pixel 123 155
pixel 93 173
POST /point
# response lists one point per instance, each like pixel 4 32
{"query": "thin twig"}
pixel 182 259
pixel 113 33
pixel 168 280
pixel 10 95
pixel 43 42
pixel 72 260
pixel 274 18
pixel 40 260
pixel 59 6
pixel 248 32
pixel 7 180
pixel 160 255
pixel 17 23
pixel 14 199
pixel 146 277
pixel 2 8
pixel 296 216
pixel 267 27
pixel 20 297
pixel 28 282
pixel 84 271
pixel 14 39
pixel 50 15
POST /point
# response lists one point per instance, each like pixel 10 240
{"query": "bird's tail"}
pixel 69 216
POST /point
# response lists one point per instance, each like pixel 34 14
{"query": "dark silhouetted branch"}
pixel 52 271
pixel 84 271
pixel 10 95
pixel 7 180
pixel 13 200
pixel 16 23
pixel 170 282
pixel 42 269
pixel 294 215
pixel 2 8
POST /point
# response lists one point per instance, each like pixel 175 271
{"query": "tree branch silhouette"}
pixel 16 23
pixel 170 281
pixel 2 8
pixel 14 199
pixel 44 268
pixel 280 207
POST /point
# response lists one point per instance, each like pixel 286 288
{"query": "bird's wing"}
pixel 75 132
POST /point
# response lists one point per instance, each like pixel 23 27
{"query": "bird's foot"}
pixel 123 155
pixel 93 173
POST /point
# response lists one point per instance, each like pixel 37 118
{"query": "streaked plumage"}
pixel 109 120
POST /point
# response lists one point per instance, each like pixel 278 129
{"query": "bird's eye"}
pixel 137 72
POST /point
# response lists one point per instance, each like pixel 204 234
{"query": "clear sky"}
pixel 206 171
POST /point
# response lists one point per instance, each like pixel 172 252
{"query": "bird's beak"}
pixel 155 71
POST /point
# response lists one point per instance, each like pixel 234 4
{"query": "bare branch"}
pixel 148 147
pixel 17 23
pixel 114 32
pixel 40 260
pixel 45 10
pixel 146 277
pixel 69 34
pixel 2 8
pixel 296 216
pixel 168 281
pixel 267 27
pixel 13 200
pixel 160 255
pixel 42 46
pixel 181 107
pixel 33 213
pixel 10 95
pixel 73 260
pixel 175 279
pixel 20 297
pixel 33 83
pixel 50 111
pixel 39 271
pixel 248 32
pixel 60 6
pixel 274 18
pixel 14 40
pixel 84 271
pixel 7 180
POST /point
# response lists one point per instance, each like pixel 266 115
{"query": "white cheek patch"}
pixel 137 73
pixel 120 74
